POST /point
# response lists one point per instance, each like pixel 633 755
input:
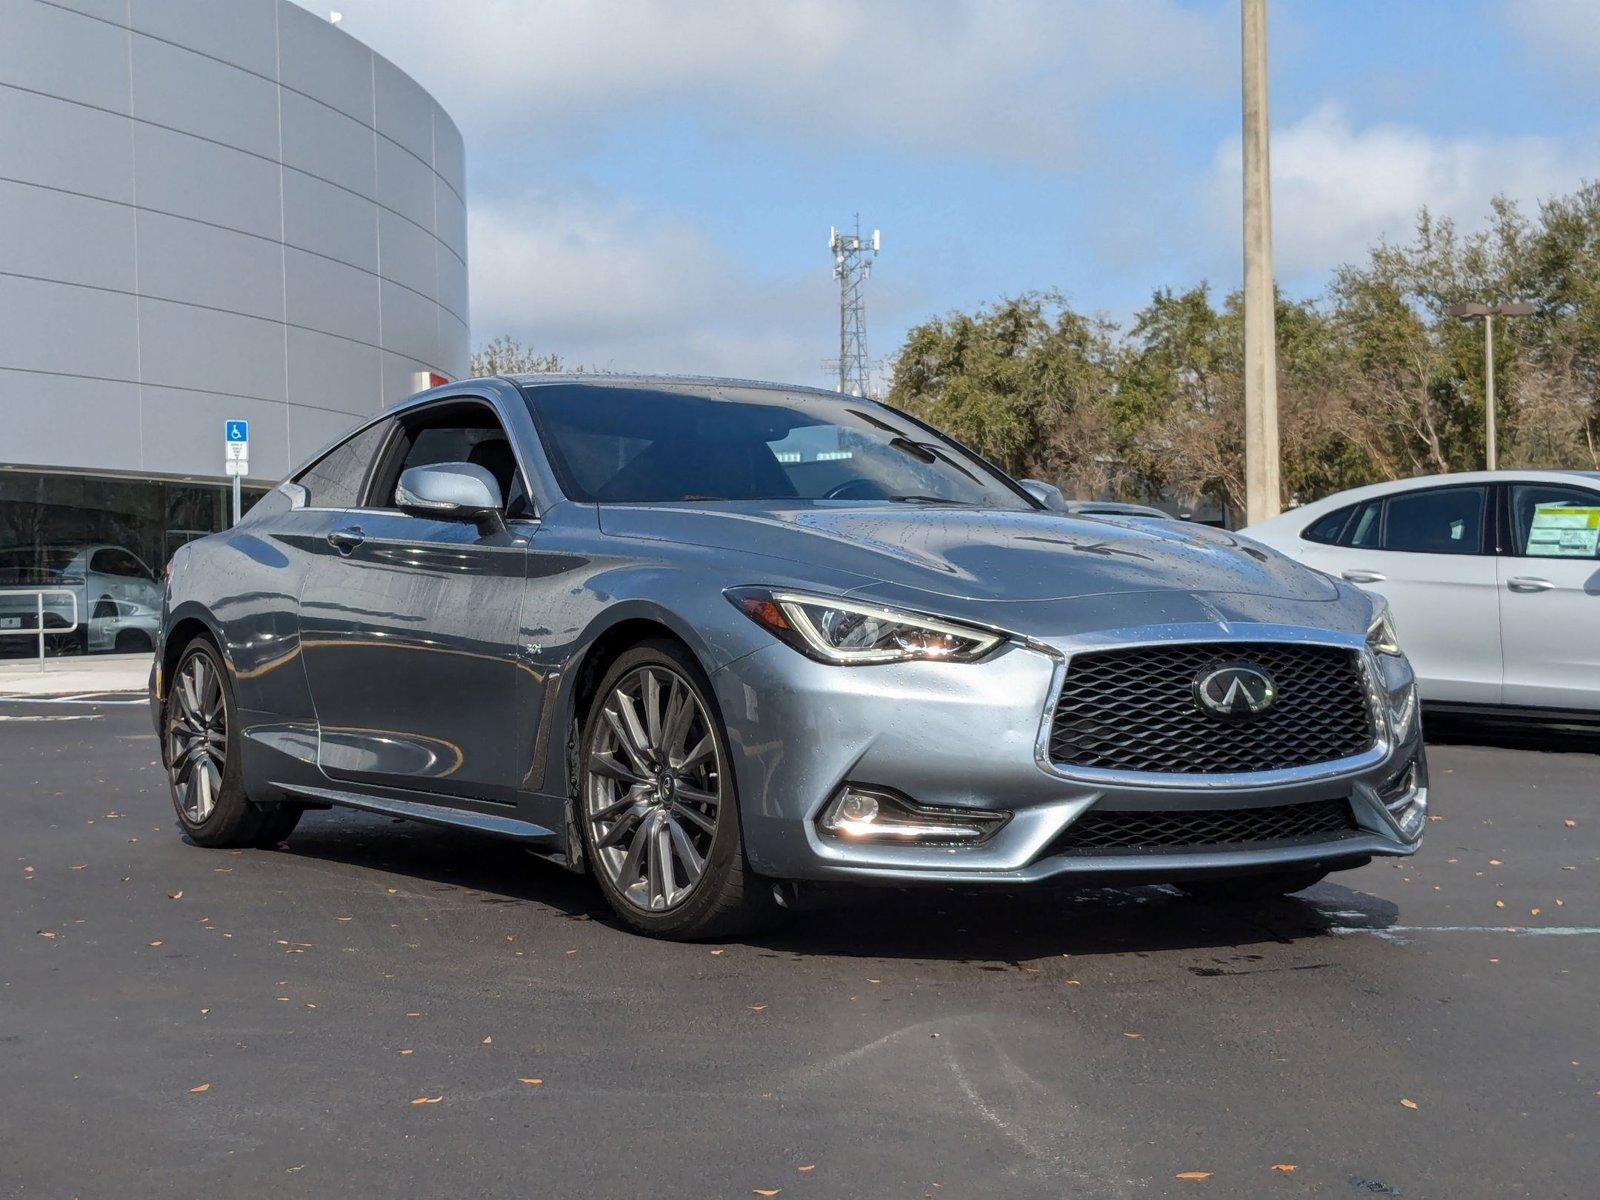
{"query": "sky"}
pixel 650 183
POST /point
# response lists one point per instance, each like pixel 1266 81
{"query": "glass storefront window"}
pixel 104 540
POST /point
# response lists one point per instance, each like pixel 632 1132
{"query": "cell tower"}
pixel 852 263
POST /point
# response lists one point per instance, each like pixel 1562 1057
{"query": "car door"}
pixel 1549 577
pixel 409 626
pixel 1427 552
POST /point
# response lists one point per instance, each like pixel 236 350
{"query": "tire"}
pixel 656 795
pixel 1245 888
pixel 200 748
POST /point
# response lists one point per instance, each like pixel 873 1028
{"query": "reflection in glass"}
pixel 106 542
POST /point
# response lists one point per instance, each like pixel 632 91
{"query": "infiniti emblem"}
pixel 1235 689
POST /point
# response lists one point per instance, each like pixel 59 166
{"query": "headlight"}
pixel 1381 637
pixel 845 632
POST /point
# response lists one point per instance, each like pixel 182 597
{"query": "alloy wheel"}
pixel 653 788
pixel 197 737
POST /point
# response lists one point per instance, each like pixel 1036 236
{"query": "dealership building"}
pixel 208 212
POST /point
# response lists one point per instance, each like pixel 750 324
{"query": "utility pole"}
pixel 852 263
pixel 1475 311
pixel 1263 495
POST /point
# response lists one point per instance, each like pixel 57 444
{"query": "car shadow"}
pixel 1511 735
pixel 986 925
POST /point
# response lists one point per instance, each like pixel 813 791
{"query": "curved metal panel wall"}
pixel 214 210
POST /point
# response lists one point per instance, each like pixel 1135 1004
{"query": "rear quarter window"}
pixel 1327 528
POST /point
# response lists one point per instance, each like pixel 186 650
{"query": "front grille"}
pixel 1098 830
pixel 1134 709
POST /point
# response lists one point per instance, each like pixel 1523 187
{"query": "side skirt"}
pixel 537 837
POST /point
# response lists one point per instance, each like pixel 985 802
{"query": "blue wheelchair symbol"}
pixel 238 431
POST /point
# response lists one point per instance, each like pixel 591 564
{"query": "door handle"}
pixel 346 540
pixel 1528 583
pixel 1357 575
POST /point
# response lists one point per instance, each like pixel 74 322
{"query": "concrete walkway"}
pixel 76 674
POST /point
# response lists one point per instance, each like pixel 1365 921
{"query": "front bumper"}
pixel 973 736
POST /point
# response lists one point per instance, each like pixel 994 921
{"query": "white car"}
pixel 118 596
pixel 1493 578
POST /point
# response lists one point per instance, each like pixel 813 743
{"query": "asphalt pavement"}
pixel 380 1009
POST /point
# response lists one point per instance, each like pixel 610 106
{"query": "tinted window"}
pixel 1327 528
pixel 611 443
pixel 1550 521
pixel 469 433
pixel 335 479
pixel 1363 529
pixel 1440 521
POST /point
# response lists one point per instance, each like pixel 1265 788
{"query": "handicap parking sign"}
pixel 237 431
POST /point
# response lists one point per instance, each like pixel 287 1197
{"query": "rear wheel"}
pixel 658 813
pixel 204 770
pixel 1244 888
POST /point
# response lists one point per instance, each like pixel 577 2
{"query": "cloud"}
pixel 1337 189
pixel 610 285
pixel 999 79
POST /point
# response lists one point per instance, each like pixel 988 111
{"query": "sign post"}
pixel 236 458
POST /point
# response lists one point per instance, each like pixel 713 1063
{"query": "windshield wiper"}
pixel 916 450
pixel 914 498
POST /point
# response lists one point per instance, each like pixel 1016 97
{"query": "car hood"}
pixel 990 556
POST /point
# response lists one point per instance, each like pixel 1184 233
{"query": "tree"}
pixel 1376 380
pixel 505 355
pixel 1021 383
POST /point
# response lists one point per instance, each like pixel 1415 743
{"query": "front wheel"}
pixel 658 813
pixel 1245 888
pixel 204 768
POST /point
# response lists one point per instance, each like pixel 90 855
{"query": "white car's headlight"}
pixel 1381 637
pixel 848 632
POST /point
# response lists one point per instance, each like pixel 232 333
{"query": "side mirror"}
pixel 1047 494
pixel 452 491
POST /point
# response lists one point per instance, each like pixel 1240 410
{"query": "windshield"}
pixel 632 443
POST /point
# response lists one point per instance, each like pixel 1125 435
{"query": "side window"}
pixel 468 432
pixel 335 479
pixel 118 562
pixel 1437 521
pixel 1362 532
pixel 1551 521
pixel 1327 529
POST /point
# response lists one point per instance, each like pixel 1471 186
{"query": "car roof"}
pixel 671 381
pixel 1296 518
pixel 1392 486
pixel 601 379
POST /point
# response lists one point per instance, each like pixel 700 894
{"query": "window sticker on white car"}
pixel 1562 531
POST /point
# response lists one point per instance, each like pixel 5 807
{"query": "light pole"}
pixel 1478 311
pixel 1263 496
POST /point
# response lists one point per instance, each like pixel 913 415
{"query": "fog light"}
pixel 857 807
pixel 858 815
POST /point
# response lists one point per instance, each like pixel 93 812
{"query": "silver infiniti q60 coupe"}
pixel 719 643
